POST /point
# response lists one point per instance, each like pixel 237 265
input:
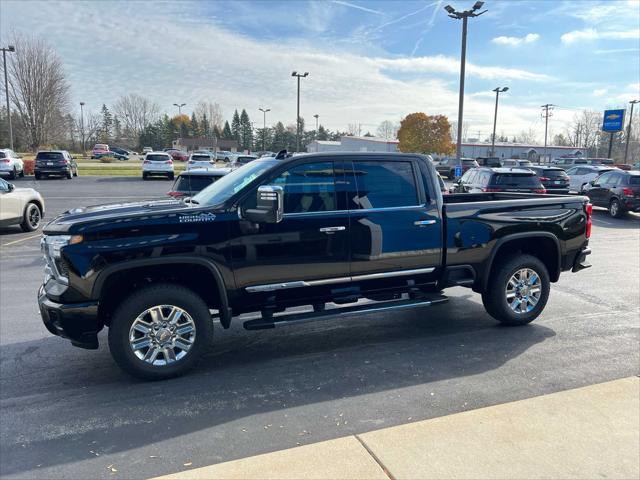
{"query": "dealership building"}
pixel 354 144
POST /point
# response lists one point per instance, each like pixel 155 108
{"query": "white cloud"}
pixel 593 34
pixel 600 92
pixel 444 64
pixel 515 41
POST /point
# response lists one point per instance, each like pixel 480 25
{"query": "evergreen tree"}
pixel 236 133
pixel 227 134
pixel 246 131
pixel 205 128
pixel 107 123
pixel 195 128
pixel 279 139
pixel 322 133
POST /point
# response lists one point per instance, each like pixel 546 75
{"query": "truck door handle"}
pixel 332 229
pixel 420 223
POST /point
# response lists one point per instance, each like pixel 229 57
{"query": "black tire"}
pixel 22 173
pixel 145 176
pixel 495 297
pixel 615 209
pixel 37 175
pixel 31 218
pixel 69 175
pixel 171 176
pixel 136 304
pixel 75 172
pixel 13 174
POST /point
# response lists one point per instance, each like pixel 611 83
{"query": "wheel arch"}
pixel 198 274
pixel 546 248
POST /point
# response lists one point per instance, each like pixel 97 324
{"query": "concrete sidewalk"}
pixel 590 432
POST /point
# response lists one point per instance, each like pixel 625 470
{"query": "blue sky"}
pixel 368 60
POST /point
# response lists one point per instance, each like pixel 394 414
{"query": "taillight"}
pixel 588 209
pixel 627 192
pixel 544 179
pixel 491 189
pixel 6 160
pixel 175 194
pixel 540 190
pixel 169 162
pixel 147 162
pixel 191 162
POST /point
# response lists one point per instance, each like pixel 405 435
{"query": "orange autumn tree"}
pixel 422 133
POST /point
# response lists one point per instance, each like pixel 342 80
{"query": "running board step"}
pixel 369 307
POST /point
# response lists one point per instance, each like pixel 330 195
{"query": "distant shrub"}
pixel 107 159
pixel 29 166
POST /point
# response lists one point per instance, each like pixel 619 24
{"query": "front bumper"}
pixel 77 322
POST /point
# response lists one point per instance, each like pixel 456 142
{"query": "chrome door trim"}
pixel 419 223
pixel 328 281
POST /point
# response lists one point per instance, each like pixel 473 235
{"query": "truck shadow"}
pixel 602 219
pixel 245 374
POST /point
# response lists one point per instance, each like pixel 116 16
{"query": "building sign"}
pixel 613 120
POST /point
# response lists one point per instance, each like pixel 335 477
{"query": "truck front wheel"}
pixel 160 331
pixel 518 290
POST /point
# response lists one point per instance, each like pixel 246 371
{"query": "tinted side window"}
pixel 604 179
pixel 308 188
pixel 385 184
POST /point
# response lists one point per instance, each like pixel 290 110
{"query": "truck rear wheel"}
pixel 518 290
pixel 160 331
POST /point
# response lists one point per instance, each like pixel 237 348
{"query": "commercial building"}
pixel 205 143
pixel 520 150
pixel 354 144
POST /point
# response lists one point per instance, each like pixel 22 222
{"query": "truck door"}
pixel 396 227
pixel 307 252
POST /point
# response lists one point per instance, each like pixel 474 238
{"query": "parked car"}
pixel 99 149
pixel 568 162
pixel 240 160
pixel 157 164
pixel 200 160
pixel 366 231
pixel 191 182
pixel 146 150
pixel 447 166
pixel 517 163
pixel 177 155
pixel 55 162
pixel 623 166
pixel 205 152
pixel 485 179
pixel 20 206
pixel 580 175
pixel 11 164
pixel 120 153
pixel 488 161
pixel 616 190
pixel 224 155
pixel 600 161
pixel 553 179
pixel 443 187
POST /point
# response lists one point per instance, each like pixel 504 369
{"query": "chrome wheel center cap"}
pixel 163 335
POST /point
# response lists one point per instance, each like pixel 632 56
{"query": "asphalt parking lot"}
pixel 71 413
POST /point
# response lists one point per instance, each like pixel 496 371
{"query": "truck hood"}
pixel 112 212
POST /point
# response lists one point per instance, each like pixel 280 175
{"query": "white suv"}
pixel 20 206
pixel 11 164
pixel 200 160
pixel 157 163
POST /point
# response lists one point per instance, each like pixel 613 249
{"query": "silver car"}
pixel 11 164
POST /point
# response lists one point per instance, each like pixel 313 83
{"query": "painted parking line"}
pixel 19 240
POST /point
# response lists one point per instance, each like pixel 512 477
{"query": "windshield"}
pixel 158 158
pixel 233 182
pixel 49 156
pixel 200 158
pixel 511 180
pixel 470 163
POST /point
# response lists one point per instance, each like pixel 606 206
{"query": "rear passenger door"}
pixel 396 229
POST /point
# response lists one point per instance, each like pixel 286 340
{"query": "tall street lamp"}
pixel 179 107
pixel 9 48
pixel 316 116
pixel 299 75
pixel 82 128
pixel 626 147
pixel 498 91
pixel 264 128
pixel 464 16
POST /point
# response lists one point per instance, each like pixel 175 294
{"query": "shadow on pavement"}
pixel 246 373
pixel 601 218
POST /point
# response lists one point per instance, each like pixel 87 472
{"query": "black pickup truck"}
pixel 330 234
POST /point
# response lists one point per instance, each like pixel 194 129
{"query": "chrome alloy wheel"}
pixel 162 335
pixel 523 290
pixel 33 217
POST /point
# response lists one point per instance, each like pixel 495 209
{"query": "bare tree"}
pixel 527 137
pixel 388 130
pixel 353 130
pixel 213 111
pixel 135 112
pixel 584 129
pixel 38 89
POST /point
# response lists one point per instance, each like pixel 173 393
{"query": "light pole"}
pixel 498 91
pixel 264 128
pixel 9 48
pixel 464 16
pixel 82 127
pixel 548 108
pixel 316 116
pixel 626 147
pixel 179 107
pixel 299 75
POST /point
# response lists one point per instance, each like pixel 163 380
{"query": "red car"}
pixel 99 149
pixel 178 155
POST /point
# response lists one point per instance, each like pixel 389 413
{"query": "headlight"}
pixel 54 243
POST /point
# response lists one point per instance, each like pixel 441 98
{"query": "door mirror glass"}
pixel 269 205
